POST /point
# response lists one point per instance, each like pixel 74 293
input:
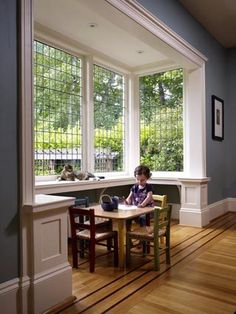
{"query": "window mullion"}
pixel 88 139
pixel 133 147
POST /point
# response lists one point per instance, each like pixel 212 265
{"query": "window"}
pixel 58 116
pixel 57 99
pixel 109 128
pixel 161 120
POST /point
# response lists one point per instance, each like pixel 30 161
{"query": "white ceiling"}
pixel 217 16
pixel 114 37
pixel 118 39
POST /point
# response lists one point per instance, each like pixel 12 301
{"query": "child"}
pixel 141 192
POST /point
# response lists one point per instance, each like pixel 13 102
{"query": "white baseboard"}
pixel 217 209
pixel 221 207
pixel 212 211
pixel 175 211
pixel 231 204
pixel 193 217
pixel 37 297
pixel 46 291
pixel 9 301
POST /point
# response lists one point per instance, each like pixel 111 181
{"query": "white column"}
pixel 195 124
pixel 194 210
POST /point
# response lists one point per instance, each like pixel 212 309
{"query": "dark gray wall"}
pixel 230 125
pixel 172 13
pixel 9 221
pixel 94 195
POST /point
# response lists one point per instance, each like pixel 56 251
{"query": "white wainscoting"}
pixel 9 296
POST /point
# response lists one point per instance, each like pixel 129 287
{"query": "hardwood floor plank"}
pixel 202 267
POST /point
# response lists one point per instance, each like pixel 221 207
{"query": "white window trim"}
pixel 88 62
pixel 194 115
pixel 194 93
pixel 88 138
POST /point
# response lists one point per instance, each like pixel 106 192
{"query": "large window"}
pixel 58 113
pixel 108 120
pixel 161 120
pixel 57 98
pixel 58 85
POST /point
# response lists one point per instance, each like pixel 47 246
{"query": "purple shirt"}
pixel 139 195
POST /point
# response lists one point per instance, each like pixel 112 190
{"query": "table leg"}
pixel 148 224
pixel 121 231
pixel 120 226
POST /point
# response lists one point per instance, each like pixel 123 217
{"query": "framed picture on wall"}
pixel 217 118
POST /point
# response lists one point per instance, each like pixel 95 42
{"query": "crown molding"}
pixel 150 22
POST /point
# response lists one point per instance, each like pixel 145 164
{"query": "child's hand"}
pixel 140 206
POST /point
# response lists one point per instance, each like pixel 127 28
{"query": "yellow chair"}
pixel 160 200
pixel 161 228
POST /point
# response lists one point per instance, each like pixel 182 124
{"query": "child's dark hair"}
pixel 142 170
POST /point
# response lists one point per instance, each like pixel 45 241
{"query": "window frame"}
pixel 80 103
pixel 125 74
pixel 188 57
pixel 87 105
pixel 163 70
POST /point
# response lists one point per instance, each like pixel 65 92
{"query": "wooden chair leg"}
pixel 167 249
pixel 109 244
pixel 156 255
pixel 146 247
pixel 81 246
pixel 74 253
pixel 91 256
pixel 128 248
pixel 148 222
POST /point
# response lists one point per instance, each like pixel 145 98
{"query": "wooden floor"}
pixel 200 279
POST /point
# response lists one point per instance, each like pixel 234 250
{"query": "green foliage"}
pixel 108 97
pixel 57 97
pixel 160 90
pixel 113 139
pixel 161 145
pixel 57 86
pixel 46 137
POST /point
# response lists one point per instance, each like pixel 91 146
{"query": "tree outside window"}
pixel 161 120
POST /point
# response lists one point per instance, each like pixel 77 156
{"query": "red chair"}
pixel 84 230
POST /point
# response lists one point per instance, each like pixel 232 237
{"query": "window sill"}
pixel 52 187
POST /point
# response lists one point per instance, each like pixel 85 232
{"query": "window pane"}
pixel 108 120
pixel 57 99
pixel 161 120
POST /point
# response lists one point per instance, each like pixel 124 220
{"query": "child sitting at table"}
pixel 141 193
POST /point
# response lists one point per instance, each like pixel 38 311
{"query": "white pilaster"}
pixel 194 210
pixel 47 263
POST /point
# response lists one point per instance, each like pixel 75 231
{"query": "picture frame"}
pixel 217 118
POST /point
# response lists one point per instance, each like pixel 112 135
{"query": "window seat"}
pixel 51 187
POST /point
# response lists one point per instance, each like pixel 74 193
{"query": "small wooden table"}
pixel 119 218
